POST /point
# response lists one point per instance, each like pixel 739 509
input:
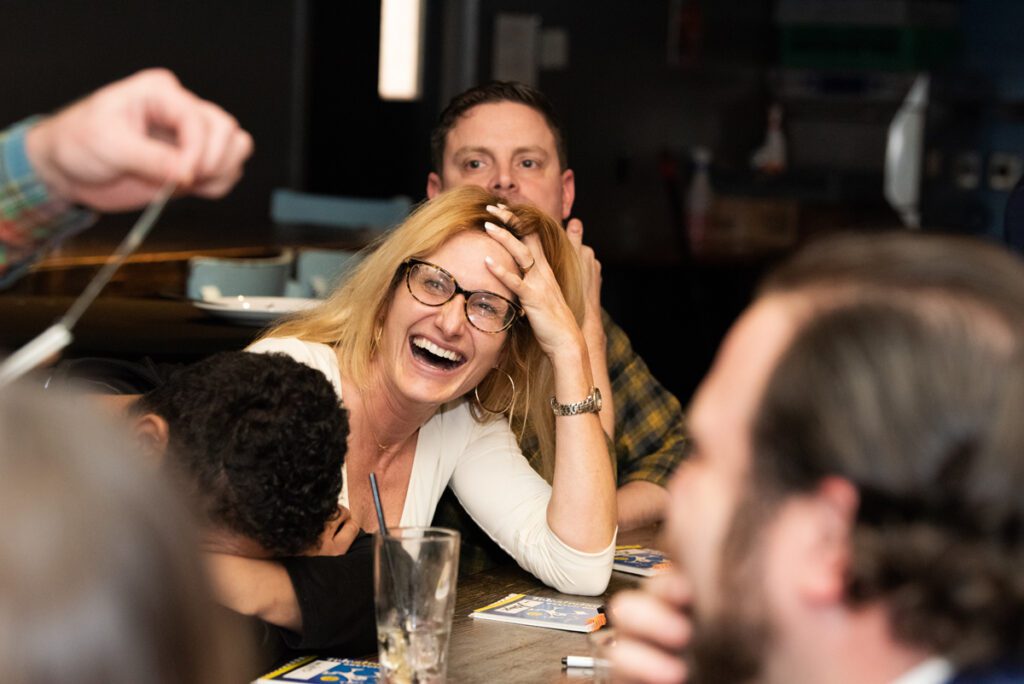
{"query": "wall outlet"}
pixel 1004 170
pixel 967 170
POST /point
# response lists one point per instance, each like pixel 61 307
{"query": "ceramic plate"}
pixel 253 310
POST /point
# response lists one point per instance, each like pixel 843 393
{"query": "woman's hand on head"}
pixel 536 287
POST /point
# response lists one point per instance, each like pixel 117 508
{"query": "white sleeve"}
pixel 509 501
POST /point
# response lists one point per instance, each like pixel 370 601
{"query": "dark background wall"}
pixel 239 54
pixel 301 76
pixel 359 144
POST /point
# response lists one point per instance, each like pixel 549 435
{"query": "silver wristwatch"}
pixel 592 404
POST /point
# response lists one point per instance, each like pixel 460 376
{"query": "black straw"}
pixel 383 531
pixel 376 503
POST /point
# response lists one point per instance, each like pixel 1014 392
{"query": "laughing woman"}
pixel 458 331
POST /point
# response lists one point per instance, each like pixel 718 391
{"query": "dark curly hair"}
pixel 488 93
pixel 259 441
pixel 908 381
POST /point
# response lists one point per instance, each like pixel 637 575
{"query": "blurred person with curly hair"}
pixel 852 508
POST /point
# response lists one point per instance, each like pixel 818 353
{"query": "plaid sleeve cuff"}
pixel 32 219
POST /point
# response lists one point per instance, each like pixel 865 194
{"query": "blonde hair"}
pixel 350 319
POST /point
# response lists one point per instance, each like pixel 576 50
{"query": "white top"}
pixel 934 670
pixel 487 472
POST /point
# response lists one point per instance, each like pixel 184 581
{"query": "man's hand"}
pixel 338 535
pixel 591 268
pixel 640 503
pixel 114 149
pixel 651 630
pixel 593 326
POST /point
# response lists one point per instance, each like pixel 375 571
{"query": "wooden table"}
pixel 124 327
pixel 485 651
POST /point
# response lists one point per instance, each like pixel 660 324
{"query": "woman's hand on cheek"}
pixel 538 291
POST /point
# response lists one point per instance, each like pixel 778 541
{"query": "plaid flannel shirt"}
pixel 650 441
pixel 32 220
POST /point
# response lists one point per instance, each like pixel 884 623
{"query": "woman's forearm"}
pixel 582 510
pixel 597 349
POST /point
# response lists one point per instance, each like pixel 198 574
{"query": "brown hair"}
pixel 908 381
pixel 351 316
pixel 493 92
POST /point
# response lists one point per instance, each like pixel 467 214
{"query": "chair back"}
pixel 289 206
pixel 318 270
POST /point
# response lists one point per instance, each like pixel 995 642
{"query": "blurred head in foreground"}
pixel 853 506
pixel 100 576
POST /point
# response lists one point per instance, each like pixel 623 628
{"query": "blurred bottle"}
pixel 698 200
pixel 770 158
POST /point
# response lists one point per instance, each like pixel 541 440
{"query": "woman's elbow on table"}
pixel 574 572
pixel 593 583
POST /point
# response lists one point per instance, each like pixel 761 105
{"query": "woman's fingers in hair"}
pixel 503 214
pixel 526 260
pixel 520 250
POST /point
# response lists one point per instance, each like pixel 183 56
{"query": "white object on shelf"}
pixel 903 154
pixel 771 156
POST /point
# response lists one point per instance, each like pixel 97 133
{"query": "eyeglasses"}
pixel 434 286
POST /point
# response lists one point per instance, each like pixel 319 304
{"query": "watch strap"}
pixel 591 404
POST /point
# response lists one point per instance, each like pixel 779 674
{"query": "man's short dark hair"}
pixel 908 381
pixel 488 93
pixel 259 440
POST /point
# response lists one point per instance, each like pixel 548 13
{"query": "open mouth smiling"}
pixel 433 355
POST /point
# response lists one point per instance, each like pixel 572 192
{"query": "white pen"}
pixel 577 661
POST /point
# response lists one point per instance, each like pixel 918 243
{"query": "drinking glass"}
pixel 414 576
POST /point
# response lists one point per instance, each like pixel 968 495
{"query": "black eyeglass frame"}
pixel 517 311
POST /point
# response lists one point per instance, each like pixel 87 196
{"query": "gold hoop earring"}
pixel 511 401
pixel 375 344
